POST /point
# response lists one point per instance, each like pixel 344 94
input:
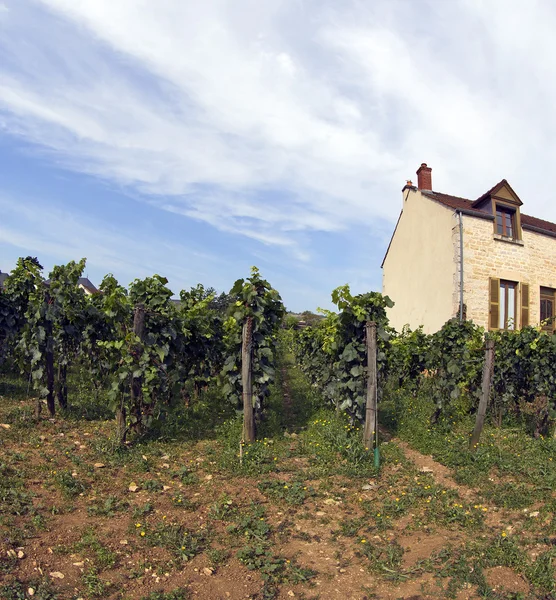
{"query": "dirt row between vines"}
pixel 85 548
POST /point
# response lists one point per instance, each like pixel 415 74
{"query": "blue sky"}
pixel 195 139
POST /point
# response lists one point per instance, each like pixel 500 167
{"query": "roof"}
pixel 455 202
pixel 86 283
pixel 472 207
pixel 469 206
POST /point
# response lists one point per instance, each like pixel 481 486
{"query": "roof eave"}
pixel 538 230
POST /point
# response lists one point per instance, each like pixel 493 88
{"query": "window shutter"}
pixel 494 313
pixel 524 304
pixel 554 314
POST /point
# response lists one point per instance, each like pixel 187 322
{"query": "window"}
pixel 506 316
pixel 547 309
pixel 506 298
pixel 505 221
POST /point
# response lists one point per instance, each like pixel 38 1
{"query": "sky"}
pixel 196 139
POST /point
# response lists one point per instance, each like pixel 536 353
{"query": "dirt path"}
pixel 288 416
pixel 441 474
pixel 444 476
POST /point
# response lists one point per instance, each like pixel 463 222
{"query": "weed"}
pixel 294 493
pixel 252 526
pixel 217 557
pixel 14 500
pixel 141 511
pixel 334 446
pixel 385 559
pixel 17 590
pixel 510 495
pixel 69 485
pixel 186 476
pixel 178 594
pixel 39 522
pixel 108 507
pixel 7 564
pixel 223 509
pixel 93 583
pixel 103 557
pixel 152 485
pixel 351 527
pixel 184 543
pixel 183 502
pixel 258 458
pixel 542 572
pixel 273 569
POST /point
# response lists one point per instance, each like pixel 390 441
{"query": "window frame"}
pixel 503 309
pixel 548 295
pixel 521 289
pixel 507 209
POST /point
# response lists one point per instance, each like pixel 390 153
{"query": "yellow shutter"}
pixel 524 304
pixel 494 313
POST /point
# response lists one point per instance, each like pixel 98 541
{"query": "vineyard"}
pixel 212 447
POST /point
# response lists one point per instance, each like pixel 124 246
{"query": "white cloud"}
pixel 273 120
pixel 234 110
pixel 57 237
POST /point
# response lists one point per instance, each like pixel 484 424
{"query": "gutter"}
pixel 474 213
pixel 538 230
pixel 459 213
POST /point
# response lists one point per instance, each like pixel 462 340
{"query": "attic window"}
pixel 505 222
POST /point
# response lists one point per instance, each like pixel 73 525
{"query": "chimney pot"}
pixel 424 177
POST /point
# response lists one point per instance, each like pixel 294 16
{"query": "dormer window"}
pixel 504 205
pixel 505 221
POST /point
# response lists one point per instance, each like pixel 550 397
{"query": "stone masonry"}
pixel 531 260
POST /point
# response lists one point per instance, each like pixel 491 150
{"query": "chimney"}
pixel 424 177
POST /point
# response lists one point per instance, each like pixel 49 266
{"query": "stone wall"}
pixel 531 260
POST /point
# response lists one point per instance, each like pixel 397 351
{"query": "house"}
pixel 83 282
pixel 481 259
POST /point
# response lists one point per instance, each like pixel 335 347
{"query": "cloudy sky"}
pixel 195 139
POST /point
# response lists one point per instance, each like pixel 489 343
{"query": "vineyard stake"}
pixel 246 381
pixel 487 376
pixel 371 422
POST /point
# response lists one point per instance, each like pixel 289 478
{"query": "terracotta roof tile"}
pixel 453 201
pixel 538 223
pixel 456 203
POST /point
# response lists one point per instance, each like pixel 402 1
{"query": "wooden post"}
pixel 246 381
pixel 136 383
pixel 371 421
pixel 483 403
